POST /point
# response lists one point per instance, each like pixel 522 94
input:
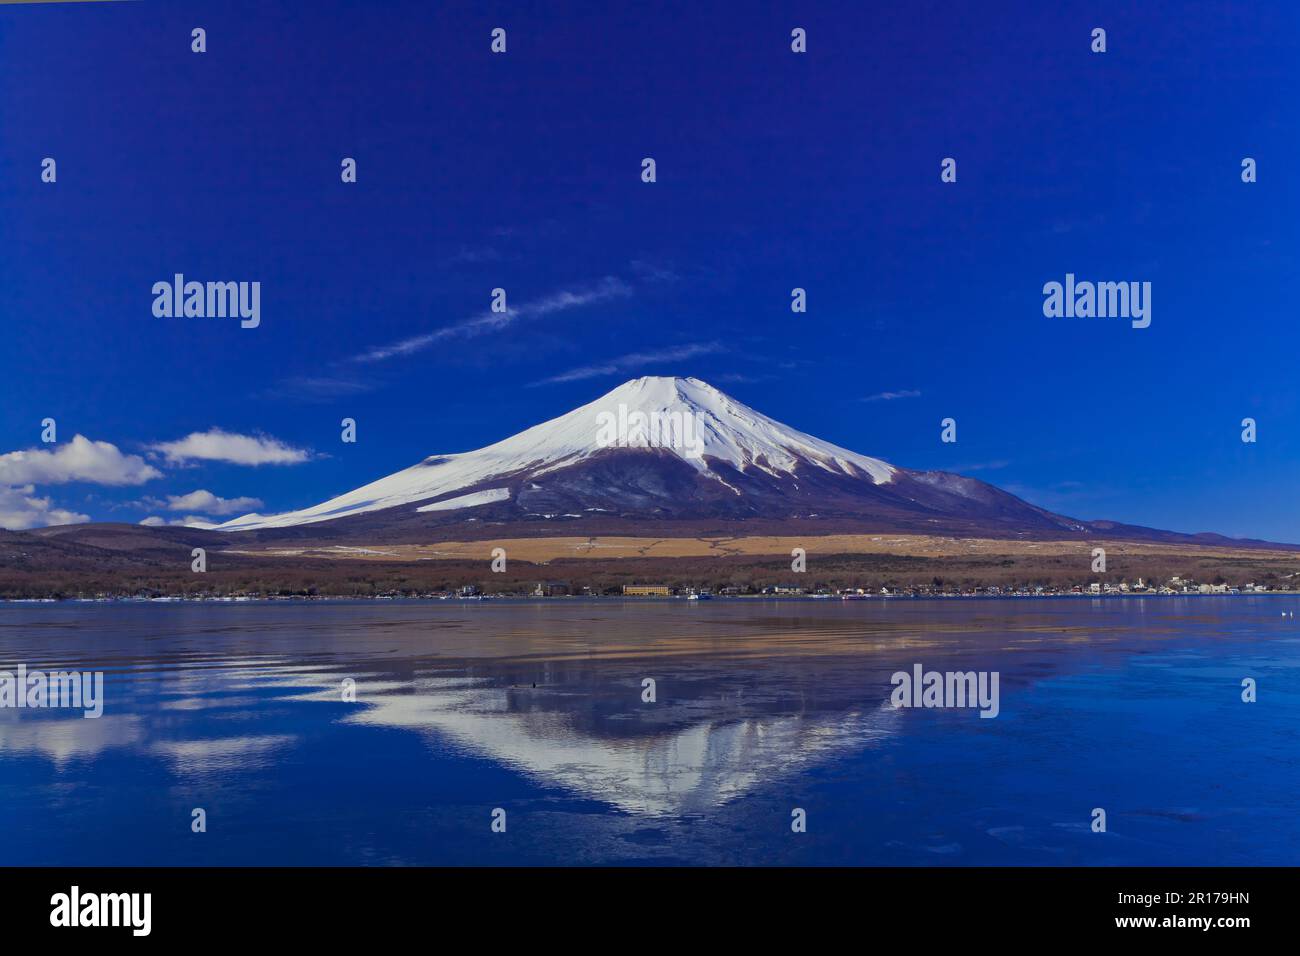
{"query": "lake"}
pixel 767 715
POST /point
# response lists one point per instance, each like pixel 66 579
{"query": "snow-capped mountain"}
pixel 667 448
pixel 709 431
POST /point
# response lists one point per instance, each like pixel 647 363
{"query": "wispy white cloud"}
pixel 1063 496
pixel 318 388
pixel 893 396
pixel 978 466
pixel 739 378
pixel 634 360
pixel 649 271
pixel 96 462
pixel 474 255
pixel 217 445
pixel 608 288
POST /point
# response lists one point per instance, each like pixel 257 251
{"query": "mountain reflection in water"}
pixel 761 707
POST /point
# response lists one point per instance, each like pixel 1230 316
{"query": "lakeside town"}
pixel 1176 586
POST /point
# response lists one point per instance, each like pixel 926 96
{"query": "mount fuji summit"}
pixel 670 455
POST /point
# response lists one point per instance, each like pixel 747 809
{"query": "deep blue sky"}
pixel 775 170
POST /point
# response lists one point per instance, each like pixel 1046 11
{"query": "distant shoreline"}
pixel 646 599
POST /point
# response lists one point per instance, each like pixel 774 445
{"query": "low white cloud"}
pixel 93 462
pixel 194 521
pixel 217 445
pixel 190 521
pixel 206 501
pixel 97 462
pixel 21 509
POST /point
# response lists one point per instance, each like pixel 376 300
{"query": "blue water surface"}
pixel 1133 706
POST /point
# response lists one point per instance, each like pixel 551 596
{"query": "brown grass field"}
pixel 546 550
pixel 124 561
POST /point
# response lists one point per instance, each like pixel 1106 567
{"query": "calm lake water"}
pixel 1130 705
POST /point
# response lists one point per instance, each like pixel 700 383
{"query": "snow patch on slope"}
pixel 469 501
